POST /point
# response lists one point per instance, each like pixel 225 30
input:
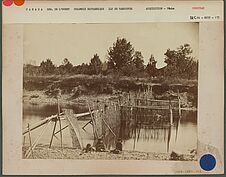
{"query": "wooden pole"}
pixel 93 121
pixel 36 141
pixel 171 113
pixel 41 123
pixel 151 92
pixel 28 127
pixel 61 135
pixel 61 130
pixel 90 122
pixel 108 127
pixel 51 140
pixel 148 94
pixel 179 103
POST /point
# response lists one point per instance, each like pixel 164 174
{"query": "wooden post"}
pixel 171 113
pixel 36 141
pixel 108 127
pixel 179 103
pixel 94 125
pixel 151 92
pixel 171 116
pixel 90 122
pixel 29 133
pixel 61 135
pixel 51 140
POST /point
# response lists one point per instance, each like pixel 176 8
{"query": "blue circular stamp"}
pixel 207 162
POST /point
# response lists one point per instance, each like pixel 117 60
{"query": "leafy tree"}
pixel 82 69
pixel 138 61
pixel 104 68
pixel 180 63
pixel 151 66
pixel 95 65
pixel 31 70
pixel 120 56
pixel 66 67
pixel 47 67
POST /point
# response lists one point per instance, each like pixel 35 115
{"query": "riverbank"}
pixel 75 90
pixel 43 152
pixel 37 97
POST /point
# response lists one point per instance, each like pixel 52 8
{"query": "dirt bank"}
pixel 76 89
pixel 43 152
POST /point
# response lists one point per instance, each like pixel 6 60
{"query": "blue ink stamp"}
pixel 207 162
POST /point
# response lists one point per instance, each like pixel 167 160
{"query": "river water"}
pixel 181 138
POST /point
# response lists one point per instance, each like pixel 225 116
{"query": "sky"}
pixel 79 42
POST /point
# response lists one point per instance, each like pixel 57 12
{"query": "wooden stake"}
pixel 109 127
pixel 61 129
pixel 29 133
pixel 151 92
pixel 41 123
pixel 61 136
pixel 90 122
pixel 36 141
pixel 51 140
pixel 171 113
pixel 179 103
pixel 93 121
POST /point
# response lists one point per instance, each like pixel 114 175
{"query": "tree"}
pixel 104 68
pixel 65 67
pixel 47 67
pixel 95 65
pixel 31 70
pixel 82 69
pixel 120 55
pixel 180 63
pixel 138 61
pixel 151 66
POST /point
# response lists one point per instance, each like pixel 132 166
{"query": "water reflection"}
pixel 136 135
pixel 180 137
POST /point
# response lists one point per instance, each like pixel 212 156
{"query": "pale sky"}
pixel 79 42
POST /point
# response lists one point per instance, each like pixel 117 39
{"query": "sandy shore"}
pixel 43 152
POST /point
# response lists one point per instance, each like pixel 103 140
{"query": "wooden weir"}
pixel 72 124
pixel 107 116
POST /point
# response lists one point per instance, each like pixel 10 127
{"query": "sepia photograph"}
pixel 110 91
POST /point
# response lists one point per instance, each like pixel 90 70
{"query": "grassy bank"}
pixel 76 89
pixel 43 152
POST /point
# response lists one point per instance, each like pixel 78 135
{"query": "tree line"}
pixel 123 59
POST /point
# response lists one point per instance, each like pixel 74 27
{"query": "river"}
pixel 181 138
